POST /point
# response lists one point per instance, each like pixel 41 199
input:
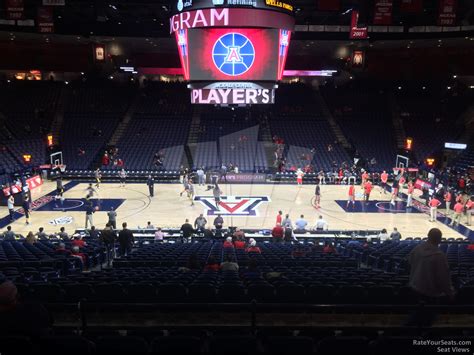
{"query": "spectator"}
pixel 93 233
pixel 107 238
pixel 383 235
pixel 229 264
pixel 353 243
pixel 228 243
pixel 61 249
pixel 41 234
pixel 112 214
pixel 395 235
pixel 470 246
pixel 429 271
pixel 30 238
pixel 125 240
pixel 200 223
pixel 253 248
pixel 186 230
pixel 239 243
pixel 62 234
pixel 159 235
pixel 286 221
pixel 288 235
pixel 9 234
pixel 77 254
pixel 149 225
pixel 277 233
pixel 329 248
pixel 17 318
pixel 218 222
pixel 321 224
pixel 238 234
pixel 78 242
pixel 212 265
pixel 301 225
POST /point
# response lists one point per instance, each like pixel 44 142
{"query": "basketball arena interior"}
pixel 236 176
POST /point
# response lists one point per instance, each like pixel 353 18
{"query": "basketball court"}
pixel 244 205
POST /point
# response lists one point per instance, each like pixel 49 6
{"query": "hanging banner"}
pixel 447 12
pixel 14 9
pixel 45 20
pixel 383 12
pixel 412 6
pixel 357 32
pixel 329 5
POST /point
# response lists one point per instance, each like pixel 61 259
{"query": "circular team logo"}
pixel 233 54
pixel 180 5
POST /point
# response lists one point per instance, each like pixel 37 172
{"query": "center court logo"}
pixel 233 54
pixel 245 206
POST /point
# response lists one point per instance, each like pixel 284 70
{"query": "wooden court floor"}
pixel 262 203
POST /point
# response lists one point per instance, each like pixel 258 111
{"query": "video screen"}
pixel 233 54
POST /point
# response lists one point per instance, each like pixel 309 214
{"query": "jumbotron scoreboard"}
pixel 232 52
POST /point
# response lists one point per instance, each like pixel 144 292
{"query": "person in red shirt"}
pixel 364 178
pixel 279 217
pixel 228 243
pixel 105 159
pixel 78 242
pixel 239 243
pixel 212 265
pixel 253 248
pixel 329 249
pixel 277 233
pixel 434 203
pixel 470 246
pixel 383 180
pixel 351 197
pixel 447 199
pixel 367 190
pixel 458 211
pixel 75 253
pixel 410 190
pixel 469 210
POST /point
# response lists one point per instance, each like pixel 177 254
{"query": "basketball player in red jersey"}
pixel 448 196
pixel 351 197
pixel 383 182
pixel 469 210
pixel 434 204
pixel 364 178
pixel 367 190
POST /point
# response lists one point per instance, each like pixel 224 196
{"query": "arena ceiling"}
pixel 138 18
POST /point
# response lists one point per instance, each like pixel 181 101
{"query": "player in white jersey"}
pixel 299 177
pixel 123 177
pixel 190 191
pixel 97 176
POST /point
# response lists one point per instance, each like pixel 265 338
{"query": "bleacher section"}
pixel 430 118
pixel 358 273
pixel 90 118
pixel 365 120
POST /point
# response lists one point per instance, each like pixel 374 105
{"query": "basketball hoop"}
pixel 61 167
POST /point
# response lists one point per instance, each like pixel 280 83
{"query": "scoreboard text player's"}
pixel 231 41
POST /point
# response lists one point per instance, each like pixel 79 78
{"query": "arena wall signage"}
pixel 230 17
pixel 275 5
pixel 232 96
